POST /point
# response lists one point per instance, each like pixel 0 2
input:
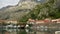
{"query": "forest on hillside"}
pixel 42 11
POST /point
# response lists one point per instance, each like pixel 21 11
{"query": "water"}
pixel 42 29
pixel 24 31
pixel 32 30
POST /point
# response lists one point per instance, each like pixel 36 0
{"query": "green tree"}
pixel 42 11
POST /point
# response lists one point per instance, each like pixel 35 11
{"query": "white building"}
pixel 12 21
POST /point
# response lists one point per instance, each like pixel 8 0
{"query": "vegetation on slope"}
pixel 42 11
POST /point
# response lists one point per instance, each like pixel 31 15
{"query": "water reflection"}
pixel 24 31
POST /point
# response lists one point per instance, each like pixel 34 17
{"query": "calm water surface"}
pixel 24 31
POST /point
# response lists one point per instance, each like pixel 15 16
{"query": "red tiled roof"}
pixel 2 20
pixel 39 21
pixel 47 21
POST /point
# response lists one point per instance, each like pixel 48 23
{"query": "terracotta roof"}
pixel 39 21
pixel 46 21
pixel 2 20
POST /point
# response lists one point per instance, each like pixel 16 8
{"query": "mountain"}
pixel 15 12
pixel 34 9
pixel 42 11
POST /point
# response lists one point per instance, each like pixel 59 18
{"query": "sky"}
pixel 4 3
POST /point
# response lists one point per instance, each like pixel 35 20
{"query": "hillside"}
pixel 17 11
pixel 41 11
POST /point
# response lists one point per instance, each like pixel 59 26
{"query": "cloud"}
pixel 4 3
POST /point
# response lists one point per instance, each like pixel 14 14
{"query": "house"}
pixel 2 21
pixel 8 21
pixel 58 20
pixel 31 21
pixel 12 21
pixel 39 21
pixel 47 20
pixel 54 20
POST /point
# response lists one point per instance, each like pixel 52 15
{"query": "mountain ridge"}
pixel 17 11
